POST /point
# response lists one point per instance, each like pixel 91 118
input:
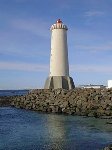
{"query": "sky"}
pixel 25 41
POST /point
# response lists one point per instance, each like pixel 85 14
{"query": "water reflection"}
pixel 56 133
pixel 28 130
pixel 71 132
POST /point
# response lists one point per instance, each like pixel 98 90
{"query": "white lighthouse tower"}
pixel 59 66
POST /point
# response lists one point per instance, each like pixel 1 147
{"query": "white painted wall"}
pixel 59 65
pixel 92 86
pixel 109 83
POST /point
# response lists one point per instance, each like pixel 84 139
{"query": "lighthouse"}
pixel 59 65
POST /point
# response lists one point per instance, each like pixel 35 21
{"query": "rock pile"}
pixel 5 101
pixel 108 147
pixel 89 102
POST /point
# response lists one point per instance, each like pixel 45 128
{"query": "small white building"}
pixel 109 84
pixel 92 86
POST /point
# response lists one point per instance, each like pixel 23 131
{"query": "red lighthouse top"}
pixel 59 21
pixel 58 25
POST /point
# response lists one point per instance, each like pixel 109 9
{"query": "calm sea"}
pixel 12 92
pixel 28 130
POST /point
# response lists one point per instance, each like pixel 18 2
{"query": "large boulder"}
pixel 109 147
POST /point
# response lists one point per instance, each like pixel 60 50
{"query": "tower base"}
pixel 55 82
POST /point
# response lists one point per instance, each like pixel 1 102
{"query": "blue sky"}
pixel 25 41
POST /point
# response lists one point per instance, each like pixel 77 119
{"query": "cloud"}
pixel 19 66
pixel 104 47
pixel 20 1
pixel 24 53
pixel 91 68
pixel 34 26
pixel 15 41
pixel 94 48
pixel 93 13
pixel 23 1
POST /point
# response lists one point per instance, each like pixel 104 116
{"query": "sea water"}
pixel 13 92
pixel 28 130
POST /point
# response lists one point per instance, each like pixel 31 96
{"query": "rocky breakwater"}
pixel 87 102
pixel 108 147
pixel 5 101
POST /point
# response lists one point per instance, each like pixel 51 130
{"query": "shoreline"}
pixel 82 102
